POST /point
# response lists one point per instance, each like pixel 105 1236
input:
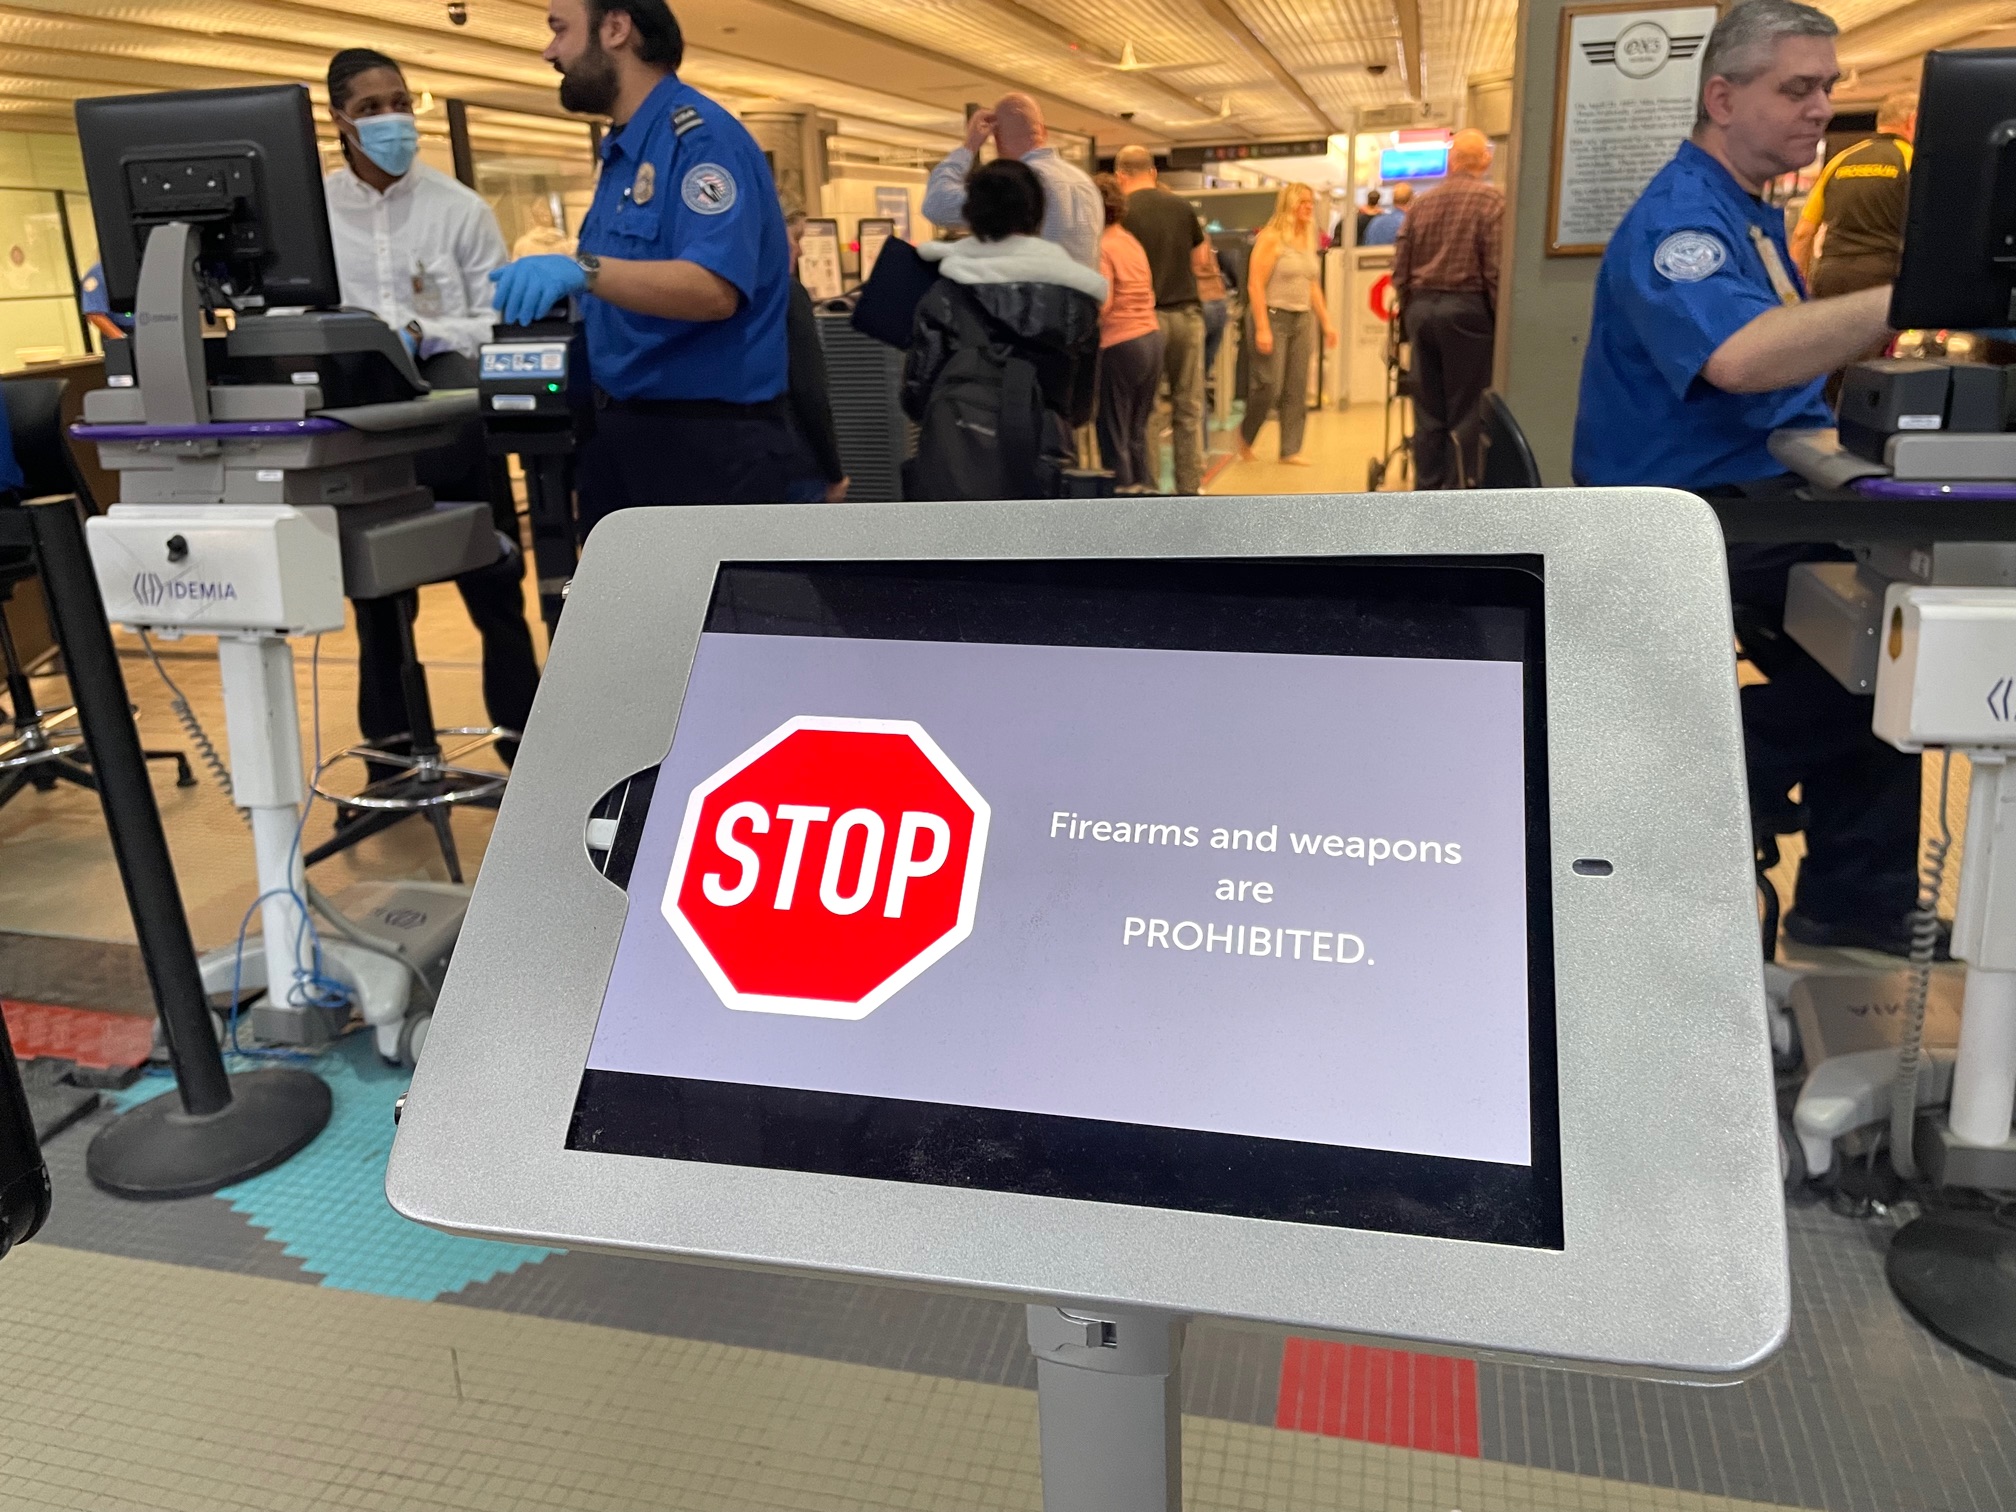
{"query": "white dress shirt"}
pixel 1074 212
pixel 420 252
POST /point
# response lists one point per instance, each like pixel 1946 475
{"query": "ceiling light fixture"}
pixel 1130 64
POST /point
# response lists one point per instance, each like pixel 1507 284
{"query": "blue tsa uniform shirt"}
pixel 683 180
pixel 1686 270
pixel 10 474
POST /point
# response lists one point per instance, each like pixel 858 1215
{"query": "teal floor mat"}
pixel 326 1207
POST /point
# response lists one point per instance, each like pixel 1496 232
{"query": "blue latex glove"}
pixel 529 287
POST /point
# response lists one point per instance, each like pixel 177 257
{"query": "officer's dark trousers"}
pixel 493 595
pixel 684 452
pixel 1452 336
pixel 1804 729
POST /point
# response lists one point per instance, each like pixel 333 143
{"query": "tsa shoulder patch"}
pixel 684 119
pixel 1689 256
pixel 708 189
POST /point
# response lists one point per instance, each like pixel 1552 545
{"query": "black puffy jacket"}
pixel 1056 328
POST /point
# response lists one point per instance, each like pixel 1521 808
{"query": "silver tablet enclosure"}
pixel 1674 1262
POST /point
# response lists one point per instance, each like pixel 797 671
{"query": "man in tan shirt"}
pixel 1445 270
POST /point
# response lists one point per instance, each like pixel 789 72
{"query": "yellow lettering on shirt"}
pixel 1868 170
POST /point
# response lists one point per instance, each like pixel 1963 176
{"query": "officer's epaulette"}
pixel 684 119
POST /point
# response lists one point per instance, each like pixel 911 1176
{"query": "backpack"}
pixel 985 426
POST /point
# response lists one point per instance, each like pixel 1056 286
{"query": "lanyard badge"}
pixel 1774 268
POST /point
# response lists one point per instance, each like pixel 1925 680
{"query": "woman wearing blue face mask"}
pixel 416 248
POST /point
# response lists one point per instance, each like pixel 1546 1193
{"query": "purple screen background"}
pixel 1423 1049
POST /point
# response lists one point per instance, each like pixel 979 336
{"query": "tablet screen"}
pixel 1219 886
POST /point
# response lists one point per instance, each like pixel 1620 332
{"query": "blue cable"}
pixel 309 987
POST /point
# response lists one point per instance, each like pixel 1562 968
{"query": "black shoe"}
pixel 1892 939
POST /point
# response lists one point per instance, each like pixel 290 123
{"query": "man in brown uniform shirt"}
pixel 1445 268
pixel 1860 199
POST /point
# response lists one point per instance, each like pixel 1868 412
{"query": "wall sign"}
pixel 1624 99
pixel 874 232
pixel 894 204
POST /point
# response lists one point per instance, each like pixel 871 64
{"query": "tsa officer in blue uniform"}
pixel 1702 343
pixel 10 471
pixel 685 266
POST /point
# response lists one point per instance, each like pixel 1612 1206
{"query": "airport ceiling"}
pixel 894 71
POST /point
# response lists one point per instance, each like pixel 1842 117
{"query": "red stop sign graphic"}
pixel 1380 297
pixel 829 864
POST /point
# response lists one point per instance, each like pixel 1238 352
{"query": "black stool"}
pixel 42 747
pixel 409 773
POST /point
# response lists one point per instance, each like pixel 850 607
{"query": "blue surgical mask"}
pixel 390 141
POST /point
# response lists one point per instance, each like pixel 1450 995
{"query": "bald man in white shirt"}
pixel 416 248
pixel 1074 213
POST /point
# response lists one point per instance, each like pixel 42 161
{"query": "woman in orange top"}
pixel 1130 352
pixel 1212 296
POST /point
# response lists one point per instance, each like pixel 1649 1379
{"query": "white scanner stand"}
pixel 1925 618
pixel 1944 680
pixel 247 511
pixel 1947 678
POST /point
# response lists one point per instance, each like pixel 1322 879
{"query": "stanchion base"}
pixel 159 1151
pixel 1956 1274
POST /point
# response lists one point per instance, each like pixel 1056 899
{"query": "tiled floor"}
pixel 1862 1413
pixel 375 1402
pixel 292 1343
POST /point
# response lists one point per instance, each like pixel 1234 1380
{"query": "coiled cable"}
pixel 178 704
pixel 1924 944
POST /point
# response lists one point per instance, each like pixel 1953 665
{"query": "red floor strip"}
pixel 88 1036
pixel 1379 1396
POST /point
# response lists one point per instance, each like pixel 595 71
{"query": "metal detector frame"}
pixel 1674 1264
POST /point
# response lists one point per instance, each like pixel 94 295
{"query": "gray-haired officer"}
pixel 1702 343
pixel 685 270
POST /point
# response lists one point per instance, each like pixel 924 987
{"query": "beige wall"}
pixel 38 302
pixel 1543 307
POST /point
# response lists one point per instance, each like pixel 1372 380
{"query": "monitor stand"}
pixel 1109 1405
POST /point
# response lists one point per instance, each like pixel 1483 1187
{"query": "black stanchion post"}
pixel 226 1128
pixel 24 1179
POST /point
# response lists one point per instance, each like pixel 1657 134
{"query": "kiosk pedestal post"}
pixel 265 729
pixel 1951 1268
pixel 1108 1398
pixel 1984 1066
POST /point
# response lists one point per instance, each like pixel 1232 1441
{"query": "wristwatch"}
pixel 591 265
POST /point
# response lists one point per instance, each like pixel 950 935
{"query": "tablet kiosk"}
pixel 1325 912
pixel 873 233
pixel 819 261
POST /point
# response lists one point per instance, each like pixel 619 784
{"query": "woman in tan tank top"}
pixel 1286 309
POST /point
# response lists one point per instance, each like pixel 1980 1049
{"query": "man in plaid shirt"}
pixel 1445 269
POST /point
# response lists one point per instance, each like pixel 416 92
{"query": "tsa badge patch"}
pixel 708 189
pixel 1689 256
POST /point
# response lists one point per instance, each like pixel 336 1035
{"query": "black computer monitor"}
pixel 240 163
pixel 1959 268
